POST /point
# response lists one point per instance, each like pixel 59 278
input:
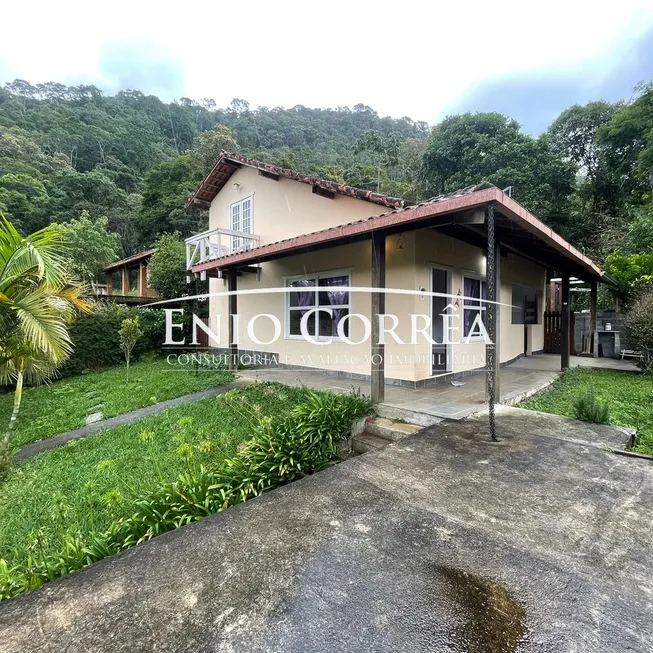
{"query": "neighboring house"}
pixel 271 227
pixel 127 280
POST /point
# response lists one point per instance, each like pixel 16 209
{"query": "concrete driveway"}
pixel 442 542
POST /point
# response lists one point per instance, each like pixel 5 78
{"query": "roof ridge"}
pixel 212 183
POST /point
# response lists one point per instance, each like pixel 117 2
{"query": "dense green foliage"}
pixel 168 267
pixel 469 148
pixel 281 449
pixel 632 272
pixel 627 393
pixel 90 246
pixel 133 159
pixel 96 338
pixel 639 330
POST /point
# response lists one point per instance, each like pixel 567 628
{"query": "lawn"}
pixel 63 405
pixel 629 396
pixel 87 484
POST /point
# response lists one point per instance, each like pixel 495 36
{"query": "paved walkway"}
pixel 523 378
pixel 440 542
pixel 551 362
pixel 61 439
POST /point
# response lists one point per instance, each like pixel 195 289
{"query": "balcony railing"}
pixel 216 243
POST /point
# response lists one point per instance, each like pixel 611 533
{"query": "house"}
pixel 127 280
pixel 289 248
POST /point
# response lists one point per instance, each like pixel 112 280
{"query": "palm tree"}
pixel 37 301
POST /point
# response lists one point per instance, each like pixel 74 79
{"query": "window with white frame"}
pixel 474 291
pixel 325 291
pixel 241 220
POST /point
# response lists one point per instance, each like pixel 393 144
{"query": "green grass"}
pixel 63 405
pixel 88 484
pixel 628 394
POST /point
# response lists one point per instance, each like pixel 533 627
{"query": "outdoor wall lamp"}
pixel 237 186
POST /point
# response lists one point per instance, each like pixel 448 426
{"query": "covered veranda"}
pixel 482 216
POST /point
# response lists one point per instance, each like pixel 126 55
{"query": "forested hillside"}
pixel 134 159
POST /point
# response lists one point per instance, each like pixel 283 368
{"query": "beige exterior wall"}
pixel 284 208
pixel 436 249
pixel 353 259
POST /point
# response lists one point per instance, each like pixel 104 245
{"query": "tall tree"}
pixel 166 189
pixel 167 267
pixel 384 150
pixel 208 144
pixel 599 195
pixel 90 246
pixel 466 149
pixel 628 138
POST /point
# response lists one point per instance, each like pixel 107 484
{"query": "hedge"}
pixel 96 341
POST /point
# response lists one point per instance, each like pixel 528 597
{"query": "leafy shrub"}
pixel 96 339
pixel 281 450
pixel 639 330
pixel 590 409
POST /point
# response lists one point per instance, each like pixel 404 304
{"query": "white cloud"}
pixel 410 58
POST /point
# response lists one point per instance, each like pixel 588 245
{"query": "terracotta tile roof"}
pixel 130 259
pixel 463 199
pixel 224 260
pixel 228 163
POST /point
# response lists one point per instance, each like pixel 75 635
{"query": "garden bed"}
pixel 629 396
pixel 65 405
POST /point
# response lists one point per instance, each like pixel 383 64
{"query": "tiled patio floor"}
pixel 519 379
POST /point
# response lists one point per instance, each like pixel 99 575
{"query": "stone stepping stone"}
pixel 93 417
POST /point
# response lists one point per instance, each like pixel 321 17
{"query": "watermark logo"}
pixel 461 321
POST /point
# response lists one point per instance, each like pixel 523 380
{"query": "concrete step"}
pixel 364 442
pixel 410 416
pixel 389 429
pixel 379 432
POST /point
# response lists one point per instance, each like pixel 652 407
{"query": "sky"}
pixel 418 58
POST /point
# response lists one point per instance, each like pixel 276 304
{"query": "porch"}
pixel 519 380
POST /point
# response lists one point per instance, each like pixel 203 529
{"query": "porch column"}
pixel 232 277
pixel 564 323
pixel 492 311
pixel 141 280
pixel 594 334
pixel 125 281
pixel 377 308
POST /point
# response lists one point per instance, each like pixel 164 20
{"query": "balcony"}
pixel 215 243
